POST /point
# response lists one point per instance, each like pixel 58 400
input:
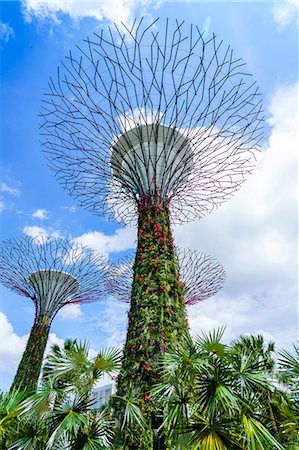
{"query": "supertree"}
pixel 53 273
pixel 139 122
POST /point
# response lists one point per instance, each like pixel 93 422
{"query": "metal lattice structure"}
pixel 52 272
pixel 152 110
pixel 202 276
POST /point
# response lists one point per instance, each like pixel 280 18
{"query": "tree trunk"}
pixel 272 417
pixel 157 320
pixel 29 368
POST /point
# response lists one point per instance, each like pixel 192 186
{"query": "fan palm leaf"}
pixel 257 437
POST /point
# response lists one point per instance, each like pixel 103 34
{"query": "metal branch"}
pixel 52 272
pixel 159 82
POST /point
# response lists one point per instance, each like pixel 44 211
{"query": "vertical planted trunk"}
pixel 157 318
pixel 30 366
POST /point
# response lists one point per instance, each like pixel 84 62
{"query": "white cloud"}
pixel 285 13
pixel 11 352
pixel 123 239
pixel 112 10
pixel 6 32
pixel 255 237
pixel 266 313
pixel 35 231
pixel 110 324
pixel 40 233
pixel 13 191
pixel 40 214
pixel 70 312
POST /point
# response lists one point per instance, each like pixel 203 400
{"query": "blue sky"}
pixel 254 235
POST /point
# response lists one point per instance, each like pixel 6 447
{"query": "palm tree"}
pixel 212 396
pixel 9 409
pixel 255 353
pixel 64 401
pixel 289 370
pixel 289 376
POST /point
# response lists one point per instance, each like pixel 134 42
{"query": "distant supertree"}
pixel 53 273
pixel 202 276
pixel 141 121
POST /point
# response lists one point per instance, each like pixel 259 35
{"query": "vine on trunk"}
pixel 29 368
pixel 157 319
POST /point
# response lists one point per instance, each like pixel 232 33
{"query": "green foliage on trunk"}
pixel 157 320
pixel 30 366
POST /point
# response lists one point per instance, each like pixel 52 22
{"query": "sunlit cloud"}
pixel 123 239
pixel 255 237
pixel 111 10
pixel 285 13
pixel 40 214
pixel 70 312
pixel 40 233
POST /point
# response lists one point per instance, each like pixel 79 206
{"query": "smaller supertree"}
pixel 53 273
pixel 202 276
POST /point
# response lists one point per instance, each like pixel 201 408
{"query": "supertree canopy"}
pixel 149 123
pixel 202 276
pixel 53 273
pixel 152 110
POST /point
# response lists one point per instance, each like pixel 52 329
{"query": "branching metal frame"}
pixel 22 257
pixel 157 74
pixel 202 275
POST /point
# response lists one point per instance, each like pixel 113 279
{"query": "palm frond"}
pixel 289 363
pixel 210 343
pixel 38 405
pixel 215 389
pixel 10 405
pixel 67 361
pixel 210 433
pixel 107 361
pixel 132 413
pixel 257 437
pixel 250 373
pixel 68 416
pixel 96 435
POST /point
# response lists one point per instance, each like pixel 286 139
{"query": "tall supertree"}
pixel 151 122
pixel 53 273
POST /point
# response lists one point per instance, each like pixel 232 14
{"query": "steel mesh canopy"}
pixel 155 110
pixel 202 275
pixel 52 272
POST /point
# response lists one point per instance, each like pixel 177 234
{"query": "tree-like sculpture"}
pixel 202 276
pixel 53 273
pixel 139 122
